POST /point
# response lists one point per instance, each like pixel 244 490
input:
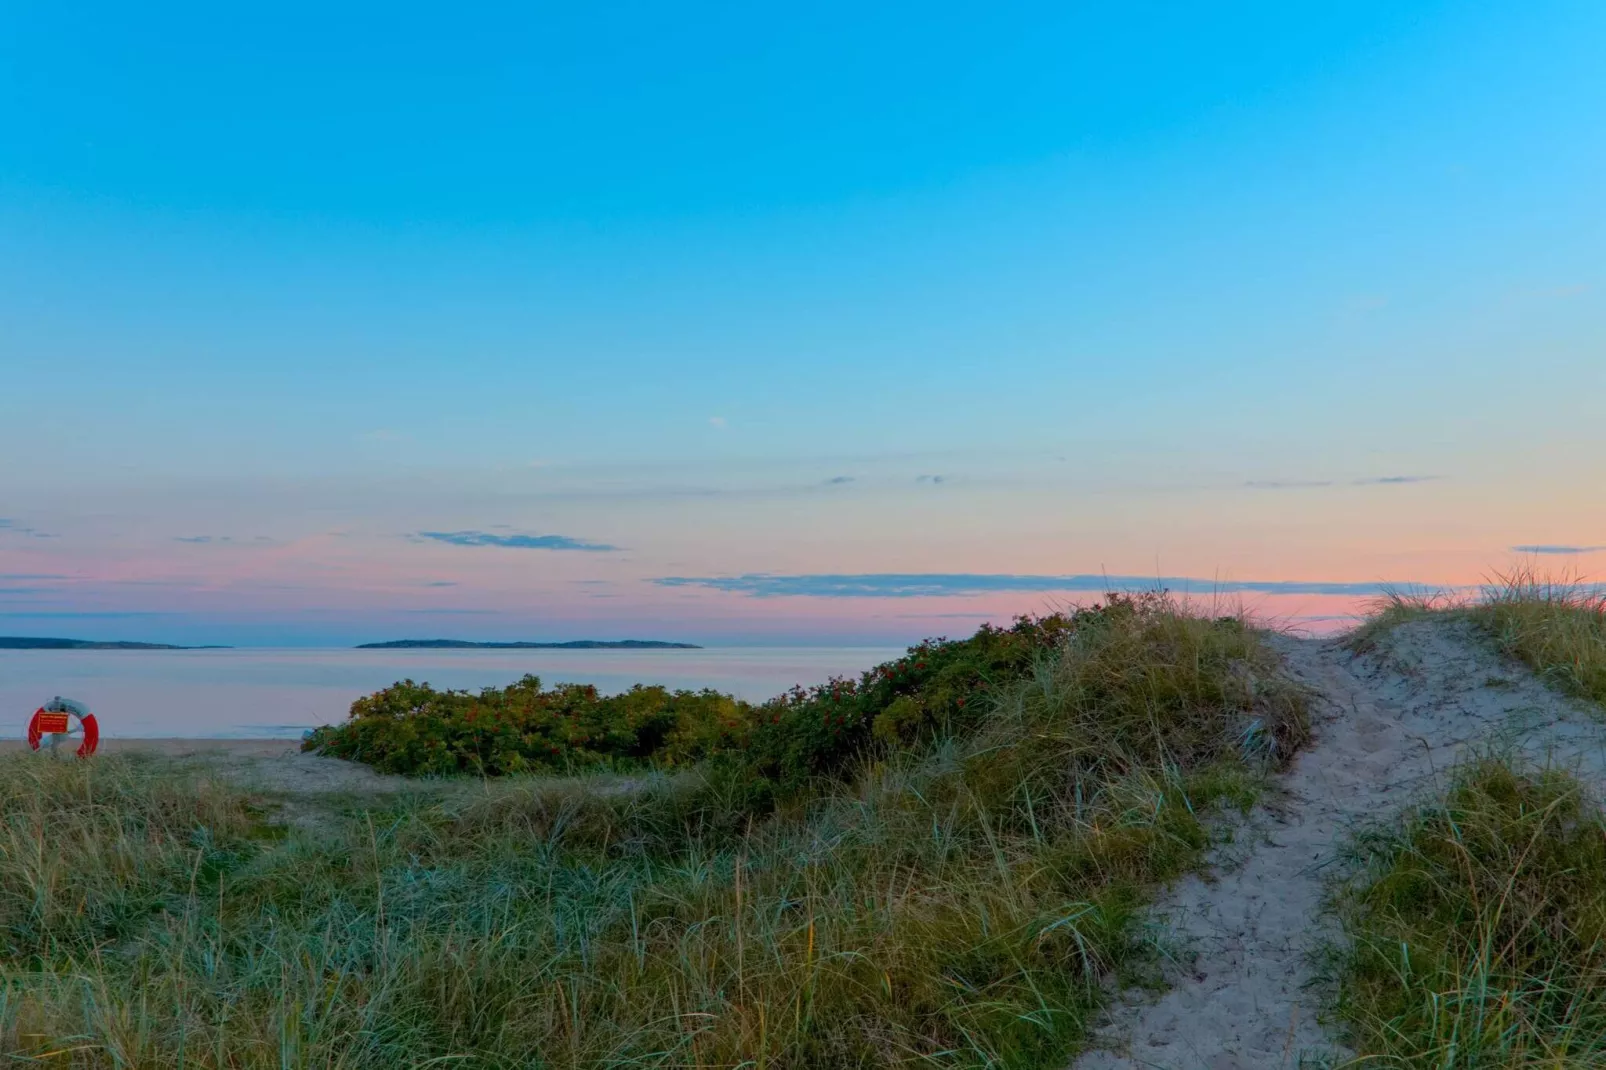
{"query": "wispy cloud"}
pixel 441 583
pixel 1546 548
pixel 1303 484
pixel 837 481
pixel 9 524
pixel 515 542
pixel 932 479
pixel 716 421
pixel 203 538
pixel 949 584
pixel 1287 484
pixel 938 616
pixel 87 614
pixel 449 612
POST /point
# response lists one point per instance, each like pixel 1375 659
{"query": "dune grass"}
pixel 1558 628
pixel 952 904
pixel 1554 625
pixel 1475 928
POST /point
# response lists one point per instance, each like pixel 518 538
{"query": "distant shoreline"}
pixel 23 642
pixel 575 644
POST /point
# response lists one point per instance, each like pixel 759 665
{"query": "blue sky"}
pixel 327 322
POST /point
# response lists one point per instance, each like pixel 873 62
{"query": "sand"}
pixel 1388 725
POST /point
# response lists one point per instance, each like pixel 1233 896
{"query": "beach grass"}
pixel 959 903
pixel 1475 928
pixel 1554 625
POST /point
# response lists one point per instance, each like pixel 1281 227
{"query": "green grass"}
pixel 1475 928
pixel 952 903
pixel 1555 626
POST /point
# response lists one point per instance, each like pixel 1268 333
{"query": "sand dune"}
pixel 1387 725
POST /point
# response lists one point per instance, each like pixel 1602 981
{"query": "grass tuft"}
pixel 1475 928
pixel 1554 625
pixel 1398 606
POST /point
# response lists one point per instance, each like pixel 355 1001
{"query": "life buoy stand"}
pixel 56 717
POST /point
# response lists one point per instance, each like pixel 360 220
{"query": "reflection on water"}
pixel 279 693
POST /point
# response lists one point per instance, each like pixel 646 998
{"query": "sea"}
pixel 280 693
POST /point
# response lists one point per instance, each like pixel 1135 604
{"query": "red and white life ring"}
pixel 56 717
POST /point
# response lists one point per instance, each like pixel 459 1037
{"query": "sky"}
pixel 809 324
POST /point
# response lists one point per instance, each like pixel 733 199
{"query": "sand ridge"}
pixel 1385 725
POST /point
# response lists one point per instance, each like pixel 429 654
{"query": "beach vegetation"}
pixel 951 880
pixel 414 729
pixel 1554 625
pixel 1474 927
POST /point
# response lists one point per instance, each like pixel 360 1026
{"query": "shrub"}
pixel 1127 646
pixel 940 687
pixel 413 728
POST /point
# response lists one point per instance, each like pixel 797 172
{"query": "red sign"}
pixel 53 722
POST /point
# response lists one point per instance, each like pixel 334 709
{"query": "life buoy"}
pixel 55 718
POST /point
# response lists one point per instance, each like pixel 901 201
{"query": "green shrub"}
pixel 415 729
pixel 940 687
pixel 757 755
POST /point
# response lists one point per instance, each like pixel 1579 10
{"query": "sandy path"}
pixel 1385 724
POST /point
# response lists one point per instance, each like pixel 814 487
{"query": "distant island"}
pixel 24 642
pixel 576 644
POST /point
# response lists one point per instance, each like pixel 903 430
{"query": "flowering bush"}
pixel 413 728
pixel 939 686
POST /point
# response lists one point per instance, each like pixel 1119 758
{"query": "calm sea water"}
pixel 247 694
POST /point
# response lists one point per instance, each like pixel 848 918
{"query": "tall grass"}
pixel 1476 928
pixel 1555 625
pixel 1558 627
pixel 954 904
